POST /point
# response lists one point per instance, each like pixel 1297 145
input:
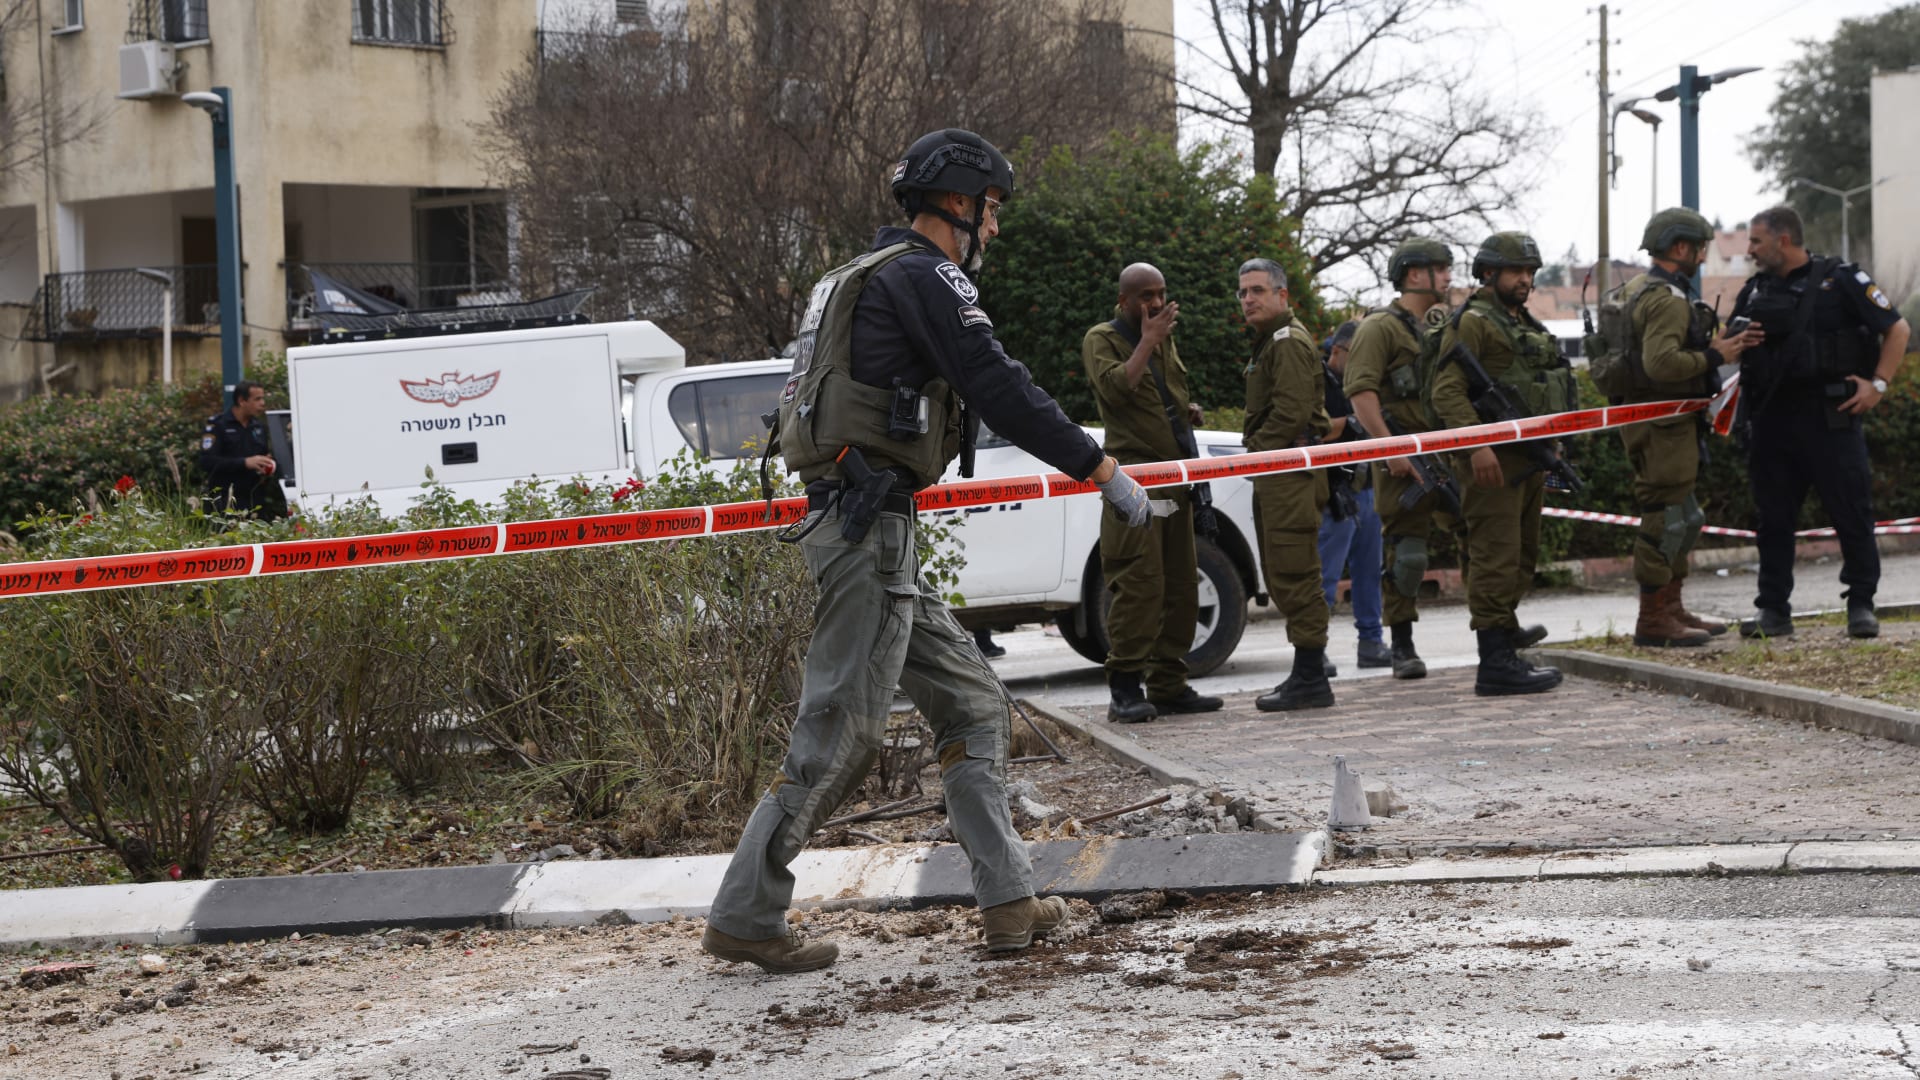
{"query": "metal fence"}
pixel 411 285
pixel 98 305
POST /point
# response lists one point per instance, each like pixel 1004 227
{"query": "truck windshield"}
pixel 721 417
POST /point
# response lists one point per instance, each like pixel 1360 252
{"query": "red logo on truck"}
pixel 451 389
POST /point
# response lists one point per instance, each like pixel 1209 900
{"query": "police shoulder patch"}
pixel 973 316
pixel 206 442
pixel 958 281
pixel 1879 298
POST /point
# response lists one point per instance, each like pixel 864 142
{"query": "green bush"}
pixel 654 680
pixel 54 450
pixel 1053 272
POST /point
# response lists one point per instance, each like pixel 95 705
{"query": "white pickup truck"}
pixel 612 400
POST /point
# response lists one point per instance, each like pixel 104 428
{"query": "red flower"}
pixel 124 484
pixel 632 487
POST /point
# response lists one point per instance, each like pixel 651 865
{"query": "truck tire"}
pixel 1223 613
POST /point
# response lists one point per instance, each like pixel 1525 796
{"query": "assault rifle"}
pixel 1430 477
pixel 1496 404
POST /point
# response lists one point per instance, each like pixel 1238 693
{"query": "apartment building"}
pixel 357 147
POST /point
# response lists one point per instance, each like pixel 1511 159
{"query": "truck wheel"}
pixel 1222 620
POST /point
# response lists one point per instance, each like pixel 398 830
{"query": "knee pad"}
pixel 1409 567
pixel 1680 524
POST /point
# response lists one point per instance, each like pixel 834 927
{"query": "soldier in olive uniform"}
pixel 1383 382
pixel 1502 504
pixel 1833 341
pixel 1670 355
pixel 1287 407
pixel 1140 386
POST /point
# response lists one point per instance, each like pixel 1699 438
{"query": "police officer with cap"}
pixel 1502 504
pixel 1833 342
pixel 238 461
pixel 894 355
pixel 1670 354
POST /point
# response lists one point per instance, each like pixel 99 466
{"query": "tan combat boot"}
pixel 1012 926
pixel 780 956
pixel 1712 627
pixel 1658 627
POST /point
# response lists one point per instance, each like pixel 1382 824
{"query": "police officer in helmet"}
pixel 1671 353
pixel 894 351
pixel 1833 342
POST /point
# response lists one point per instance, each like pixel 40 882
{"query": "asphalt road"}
pixel 1683 978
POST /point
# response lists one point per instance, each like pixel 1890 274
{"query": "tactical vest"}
pixel 824 409
pixel 1615 356
pixel 1792 351
pixel 1404 383
pixel 1537 372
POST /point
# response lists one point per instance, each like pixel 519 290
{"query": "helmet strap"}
pixel 971 255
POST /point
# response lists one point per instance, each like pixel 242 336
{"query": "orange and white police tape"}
pixel 428 545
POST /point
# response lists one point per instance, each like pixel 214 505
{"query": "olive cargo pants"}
pixel 1404 534
pixel 1286 510
pixel 1156 595
pixel 1503 540
pixel 878 625
pixel 1665 455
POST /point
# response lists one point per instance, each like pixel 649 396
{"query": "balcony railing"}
pixel 166 20
pixel 411 285
pixel 101 305
pixel 420 24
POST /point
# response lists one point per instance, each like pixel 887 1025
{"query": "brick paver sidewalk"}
pixel 1588 764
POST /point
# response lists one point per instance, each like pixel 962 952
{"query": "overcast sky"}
pixel 1541 52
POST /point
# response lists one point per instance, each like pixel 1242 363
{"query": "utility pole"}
pixel 1602 264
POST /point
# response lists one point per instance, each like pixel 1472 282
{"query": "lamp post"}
pixel 165 281
pixel 1846 206
pixel 226 213
pixel 1687 91
pixel 1613 132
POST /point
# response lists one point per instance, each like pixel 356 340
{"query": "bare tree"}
pixel 32 125
pixel 703 174
pixel 1366 137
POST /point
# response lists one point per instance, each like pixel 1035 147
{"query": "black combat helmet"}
pixel 1506 249
pixel 1414 252
pixel 957 161
pixel 1672 225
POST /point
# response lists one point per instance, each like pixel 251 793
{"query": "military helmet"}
pixel 1413 252
pixel 1506 249
pixel 1672 225
pixel 949 160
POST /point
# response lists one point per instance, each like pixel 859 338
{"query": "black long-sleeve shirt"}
pixel 919 318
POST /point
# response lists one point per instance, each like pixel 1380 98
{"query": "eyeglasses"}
pixel 993 206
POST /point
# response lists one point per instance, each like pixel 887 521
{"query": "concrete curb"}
pixel 1786 702
pixel 1121 748
pixel 627 890
pixel 1808 857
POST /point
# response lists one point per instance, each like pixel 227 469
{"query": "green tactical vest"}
pixel 1538 372
pixel 1401 387
pixel 824 410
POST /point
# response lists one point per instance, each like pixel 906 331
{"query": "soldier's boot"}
pixel 1331 669
pixel 1188 700
pixel 1306 688
pixel 1861 621
pixel 1130 704
pixel 1406 663
pixel 1713 627
pixel 1528 636
pixel 1767 622
pixel 1658 627
pixel 1012 926
pixel 779 956
pixel 1375 654
pixel 1502 672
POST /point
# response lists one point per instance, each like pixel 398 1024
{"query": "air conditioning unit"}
pixel 146 69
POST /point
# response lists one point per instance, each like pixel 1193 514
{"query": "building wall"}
pixel 1896 203
pixel 19 255
pixel 352 223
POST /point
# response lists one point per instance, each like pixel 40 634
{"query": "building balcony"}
pixel 123 304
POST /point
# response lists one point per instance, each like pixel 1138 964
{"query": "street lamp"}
pixel 1846 205
pixel 165 281
pixel 1687 91
pixel 226 214
pixel 1649 117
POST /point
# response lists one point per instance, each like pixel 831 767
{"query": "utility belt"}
pixel 862 494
